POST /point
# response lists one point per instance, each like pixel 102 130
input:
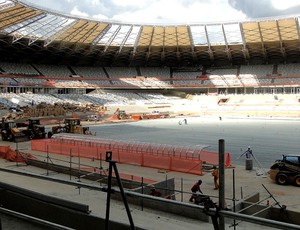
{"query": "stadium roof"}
pixel 28 33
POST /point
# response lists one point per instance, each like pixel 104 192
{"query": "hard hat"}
pixel 248 147
pixel 152 187
pixel 199 181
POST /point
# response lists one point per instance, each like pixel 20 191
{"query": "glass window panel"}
pixel 133 36
pixel 198 35
pixel 44 27
pixel 233 33
pixel 106 37
pixel 215 34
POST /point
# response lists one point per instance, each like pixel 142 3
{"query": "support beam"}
pixel 221 182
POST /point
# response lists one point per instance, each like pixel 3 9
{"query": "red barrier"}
pixel 128 157
pixel 166 157
pixel 186 166
pixel 159 162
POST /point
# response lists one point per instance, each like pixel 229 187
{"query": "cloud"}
pixel 100 16
pixel 283 5
pixel 77 12
pixel 173 11
pixel 131 3
pixel 266 8
pixel 182 12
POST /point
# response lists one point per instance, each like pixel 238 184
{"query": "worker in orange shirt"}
pixel 215 174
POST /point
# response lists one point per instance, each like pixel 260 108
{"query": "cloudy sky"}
pixel 173 11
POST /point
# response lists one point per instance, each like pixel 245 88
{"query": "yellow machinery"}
pixel 286 170
pixel 71 125
pixel 17 132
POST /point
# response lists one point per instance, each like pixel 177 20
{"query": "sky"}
pixel 173 11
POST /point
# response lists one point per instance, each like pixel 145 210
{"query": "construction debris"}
pixel 58 109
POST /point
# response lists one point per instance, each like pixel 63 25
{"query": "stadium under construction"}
pixel 245 69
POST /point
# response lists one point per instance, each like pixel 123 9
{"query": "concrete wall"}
pixel 163 204
pixel 166 187
pixel 248 206
pixel 54 210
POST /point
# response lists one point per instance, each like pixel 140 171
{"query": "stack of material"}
pixel 49 110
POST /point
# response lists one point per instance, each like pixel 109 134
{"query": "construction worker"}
pixel 215 174
pixel 196 188
pixel 153 191
pixel 248 153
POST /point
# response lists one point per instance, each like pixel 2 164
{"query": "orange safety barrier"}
pixel 166 157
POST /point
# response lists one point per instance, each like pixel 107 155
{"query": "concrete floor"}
pixel 247 181
pixel 268 138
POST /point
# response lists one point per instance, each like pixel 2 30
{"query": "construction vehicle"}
pixel 17 132
pixel 71 125
pixel 122 115
pixel 34 129
pixel 286 170
pixel 11 132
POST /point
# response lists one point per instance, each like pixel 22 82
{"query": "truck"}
pixel 286 170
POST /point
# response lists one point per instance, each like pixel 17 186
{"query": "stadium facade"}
pixel 255 56
pixel 46 36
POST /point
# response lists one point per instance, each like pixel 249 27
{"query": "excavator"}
pixel 121 114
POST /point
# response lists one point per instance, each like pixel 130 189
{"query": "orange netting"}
pixel 181 159
pixel 127 156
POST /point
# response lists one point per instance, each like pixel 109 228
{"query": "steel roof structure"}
pixel 29 33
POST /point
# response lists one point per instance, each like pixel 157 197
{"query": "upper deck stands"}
pixel 17 68
pixel 60 76
pixel 54 70
pixel 156 72
pixel 258 70
pixel 289 69
pixel 92 72
pixel 187 75
pixel 222 71
pixel 121 72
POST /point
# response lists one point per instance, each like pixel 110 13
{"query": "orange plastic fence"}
pixel 187 160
